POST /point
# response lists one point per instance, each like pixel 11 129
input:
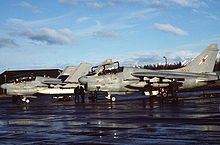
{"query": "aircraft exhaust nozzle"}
pixel 3 86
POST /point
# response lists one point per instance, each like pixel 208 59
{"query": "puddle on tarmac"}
pixel 132 121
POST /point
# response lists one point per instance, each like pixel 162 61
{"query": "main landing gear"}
pixel 164 93
pixel 173 89
pixel 93 96
pixel 110 97
pixel 20 100
pixel 65 98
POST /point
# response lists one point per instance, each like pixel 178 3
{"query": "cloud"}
pixel 74 2
pixel 146 58
pixel 171 3
pixel 190 3
pixel 15 22
pixel 24 4
pixel 104 34
pixel 9 43
pixel 99 30
pixel 27 5
pixel 71 2
pixel 183 53
pixel 82 19
pixel 213 17
pixel 195 10
pixel 89 3
pixel 50 36
pixel 169 28
pixel 159 4
pixel 96 5
pixel 36 31
pixel 151 12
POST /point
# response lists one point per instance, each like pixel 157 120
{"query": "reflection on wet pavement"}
pixel 133 121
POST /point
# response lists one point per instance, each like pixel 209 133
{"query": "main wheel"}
pixel 27 101
pixel 164 94
pixel 113 99
pixel 66 98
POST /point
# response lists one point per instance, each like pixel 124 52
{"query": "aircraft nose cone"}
pixel 3 86
pixel 83 80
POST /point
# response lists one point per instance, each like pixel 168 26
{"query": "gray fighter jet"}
pixel 125 80
pixel 63 85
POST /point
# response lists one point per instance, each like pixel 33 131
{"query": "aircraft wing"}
pixel 48 81
pixel 52 81
pixel 170 74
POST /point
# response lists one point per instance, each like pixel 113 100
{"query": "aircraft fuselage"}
pixel 121 81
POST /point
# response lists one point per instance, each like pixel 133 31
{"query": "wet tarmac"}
pixel 193 120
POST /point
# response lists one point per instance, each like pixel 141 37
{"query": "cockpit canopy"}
pixel 108 68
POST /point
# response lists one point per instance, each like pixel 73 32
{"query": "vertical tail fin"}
pixel 203 63
pixel 81 70
pixel 67 72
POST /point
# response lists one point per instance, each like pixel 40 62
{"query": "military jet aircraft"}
pixel 125 80
pixel 63 85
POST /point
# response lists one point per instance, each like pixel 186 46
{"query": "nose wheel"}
pixel 113 98
pixel 25 100
pixel 20 100
pixel 110 97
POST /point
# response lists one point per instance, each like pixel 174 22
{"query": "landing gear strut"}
pixel 65 98
pixel 174 89
pixel 164 93
pixel 19 100
pixel 93 96
pixel 110 97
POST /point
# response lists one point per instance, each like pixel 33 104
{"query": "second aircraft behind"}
pixel 124 80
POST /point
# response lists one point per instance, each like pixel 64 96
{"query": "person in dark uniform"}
pixel 82 93
pixel 76 92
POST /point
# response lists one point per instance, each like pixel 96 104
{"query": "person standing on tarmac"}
pixel 82 93
pixel 76 92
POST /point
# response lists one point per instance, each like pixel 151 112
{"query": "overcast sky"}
pixel 37 34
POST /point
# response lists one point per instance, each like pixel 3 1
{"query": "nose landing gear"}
pixel 20 100
pixel 110 97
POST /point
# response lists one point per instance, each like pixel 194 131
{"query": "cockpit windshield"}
pixel 108 68
pixel 111 71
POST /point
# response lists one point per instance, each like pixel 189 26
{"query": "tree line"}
pixel 162 66
pixel 174 66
